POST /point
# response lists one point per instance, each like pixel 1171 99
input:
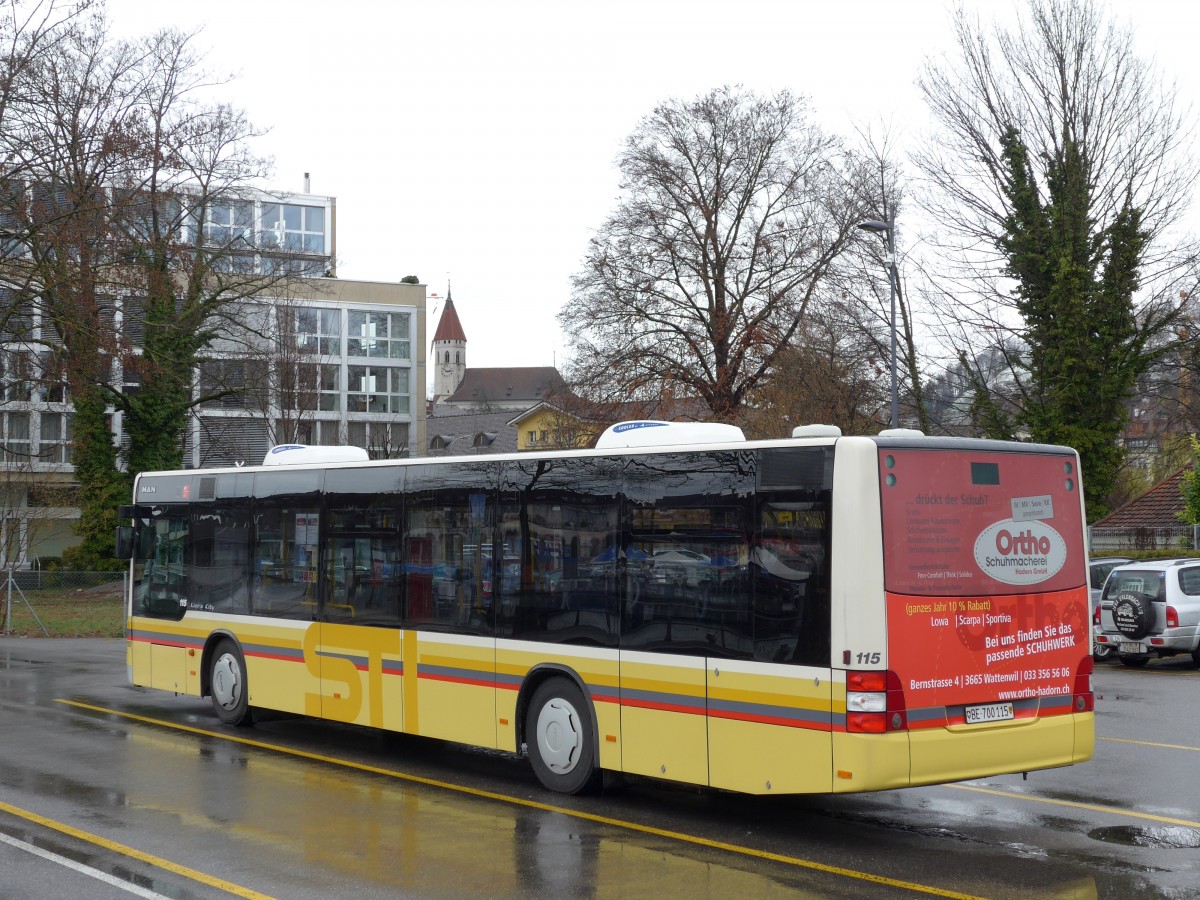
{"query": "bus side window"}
pixel 362 567
pixel 686 554
pixel 219 558
pixel 554 575
pixel 285 560
pixel 790 563
pixel 449 516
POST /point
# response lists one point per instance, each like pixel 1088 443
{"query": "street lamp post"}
pixel 888 230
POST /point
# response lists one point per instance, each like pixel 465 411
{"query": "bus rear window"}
pixel 957 522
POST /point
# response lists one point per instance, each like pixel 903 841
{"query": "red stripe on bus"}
pixel 454 679
pixel 258 654
pixel 664 707
pixel 770 720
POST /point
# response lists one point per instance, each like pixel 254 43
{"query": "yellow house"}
pixel 548 427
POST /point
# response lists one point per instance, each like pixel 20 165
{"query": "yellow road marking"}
pixel 1091 807
pixel 157 861
pixel 1150 744
pixel 543 807
pixel 1160 670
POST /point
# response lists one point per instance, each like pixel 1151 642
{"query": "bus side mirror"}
pixel 124 547
pixel 134 540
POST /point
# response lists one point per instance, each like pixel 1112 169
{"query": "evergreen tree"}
pixel 1075 286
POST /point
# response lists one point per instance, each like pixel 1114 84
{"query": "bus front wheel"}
pixel 227 685
pixel 560 738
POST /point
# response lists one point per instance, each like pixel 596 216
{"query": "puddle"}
pixel 1162 837
pixel 10 662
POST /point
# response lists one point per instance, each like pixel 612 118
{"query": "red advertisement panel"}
pixel 985 577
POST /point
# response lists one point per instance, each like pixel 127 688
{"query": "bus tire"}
pixel 561 739
pixel 227 684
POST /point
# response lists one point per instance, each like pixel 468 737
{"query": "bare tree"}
pixel 735 210
pixel 132 198
pixel 1058 176
pixel 836 373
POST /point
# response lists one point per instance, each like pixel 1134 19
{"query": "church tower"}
pixel 449 360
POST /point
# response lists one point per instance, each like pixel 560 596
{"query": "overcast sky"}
pixel 473 141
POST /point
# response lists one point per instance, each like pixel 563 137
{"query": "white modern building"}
pixel 327 361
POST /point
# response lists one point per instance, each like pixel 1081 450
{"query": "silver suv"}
pixel 1151 608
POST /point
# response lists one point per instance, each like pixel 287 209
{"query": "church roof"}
pixel 509 386
pixel 449 328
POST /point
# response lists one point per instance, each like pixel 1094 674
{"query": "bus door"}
pixel 449 645
pixel 770 708
pixel 160 599
pixel 361 598
pixel 284 661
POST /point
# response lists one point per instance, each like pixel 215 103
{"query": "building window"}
pixel 316 387
pixel 457 358
pixel 10 228
pixel 16 437
pixel 316 330
pixel 293 228
pixel 314 432
pixel 18 376
pixel 381 440
pixel 531 437
pixel 378 389
pixel 229 225
pixel 54 445
pixel 54 378
pixel 447 357
pixel 377 334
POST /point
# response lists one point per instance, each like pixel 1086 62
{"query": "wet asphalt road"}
pixel 107 790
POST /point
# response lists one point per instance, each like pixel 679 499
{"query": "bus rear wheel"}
pixel 560 738
pixel 227 685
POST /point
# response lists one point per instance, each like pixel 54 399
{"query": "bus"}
pixel 817 614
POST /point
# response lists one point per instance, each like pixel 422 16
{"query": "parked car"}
pixel 681 564
pixel 1098 570
pixel 1151 608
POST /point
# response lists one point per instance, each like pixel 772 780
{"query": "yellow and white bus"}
pixel 816 614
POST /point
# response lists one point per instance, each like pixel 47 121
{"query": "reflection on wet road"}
pixel 295 808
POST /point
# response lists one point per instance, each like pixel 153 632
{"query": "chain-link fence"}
pixel 62 604
pixel 1113 541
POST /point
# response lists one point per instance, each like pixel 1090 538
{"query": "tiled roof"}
pixel 1154 509
pixel 511 387
pixel 458 429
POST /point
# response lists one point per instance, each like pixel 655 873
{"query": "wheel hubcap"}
pixel 227 682
pixel 559 737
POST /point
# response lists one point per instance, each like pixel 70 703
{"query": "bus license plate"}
pixel 1127 647
pixel 993 712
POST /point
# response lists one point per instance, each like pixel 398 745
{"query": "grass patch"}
pixel 95 612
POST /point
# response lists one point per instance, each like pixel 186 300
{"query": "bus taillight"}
pixel 1085 700
pixel 874 703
